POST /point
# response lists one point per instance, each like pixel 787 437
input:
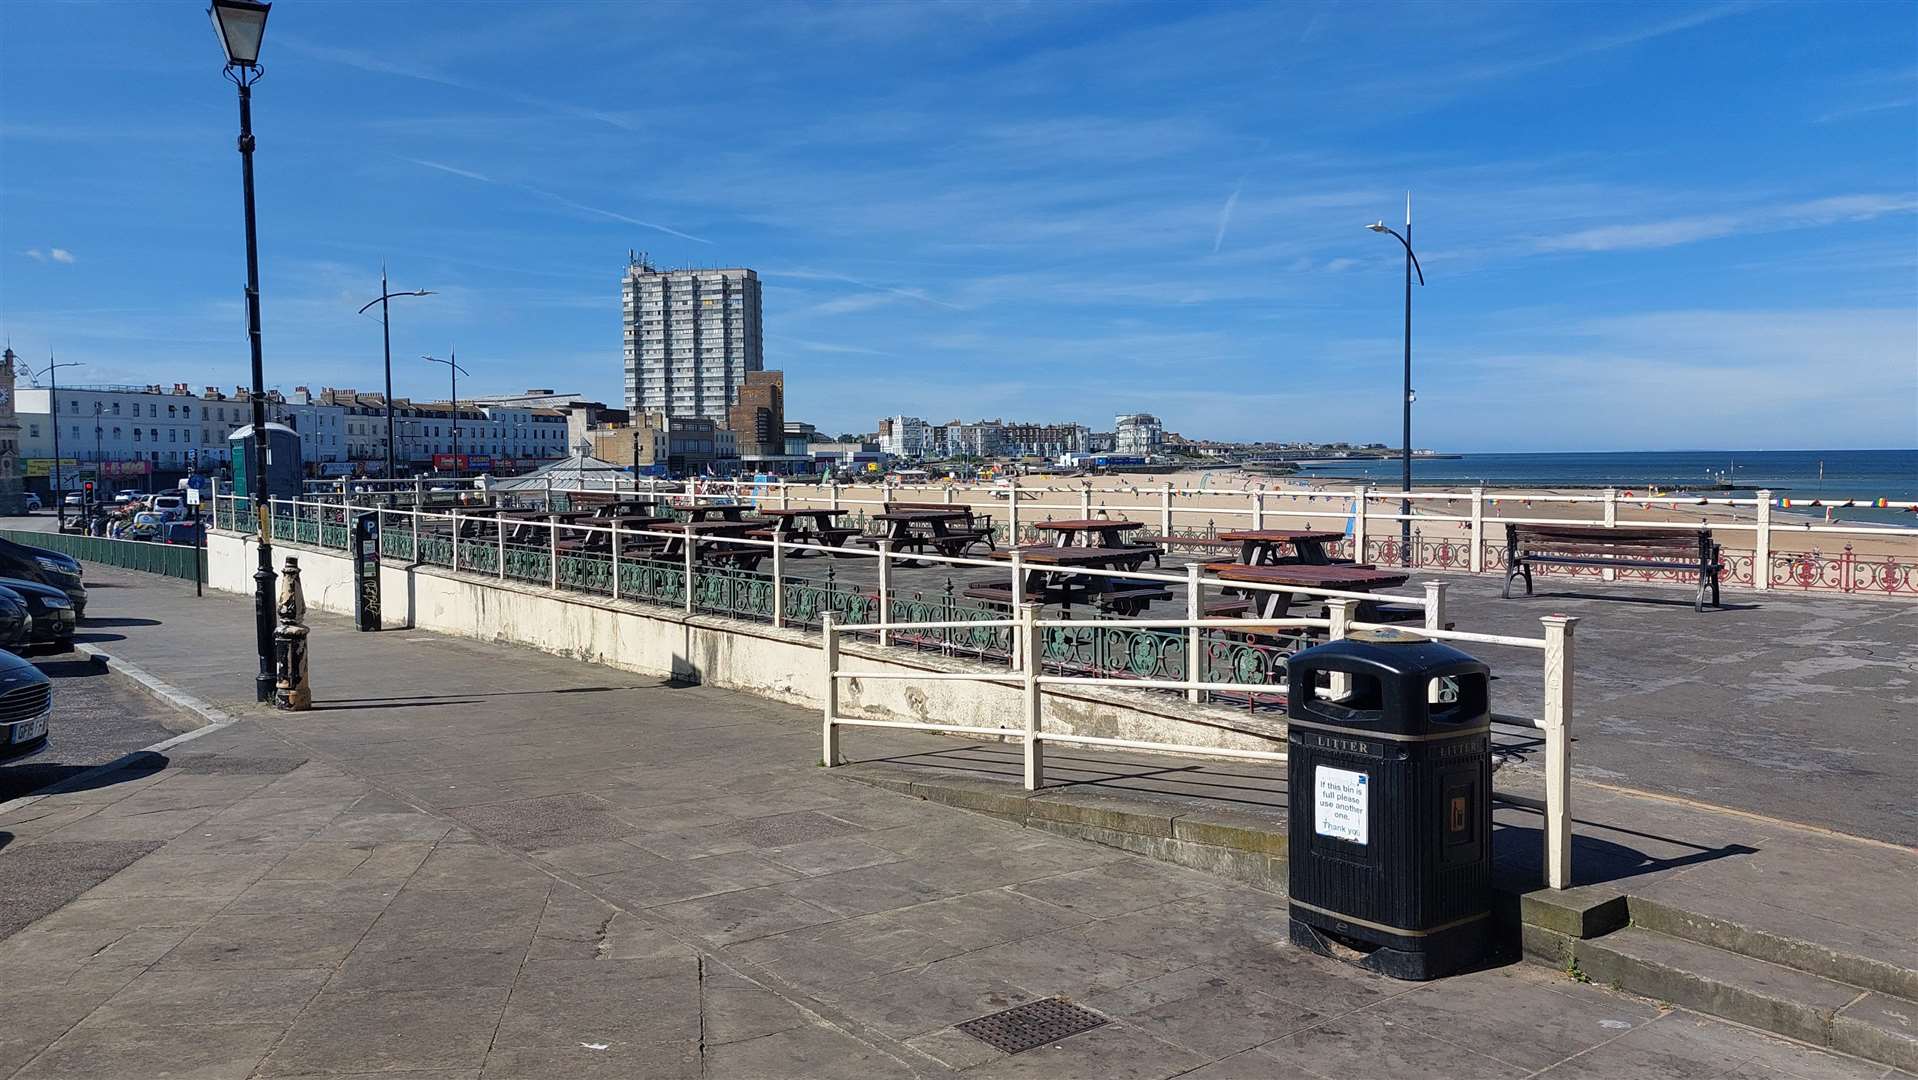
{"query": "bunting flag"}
pixel 1881 503
pixel 1785 503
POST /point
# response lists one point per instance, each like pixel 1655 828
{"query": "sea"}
pixel 1799 475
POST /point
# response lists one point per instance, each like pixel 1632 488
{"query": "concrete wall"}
pixel 714 650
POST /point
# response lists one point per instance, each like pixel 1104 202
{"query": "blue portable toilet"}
pixel 283 469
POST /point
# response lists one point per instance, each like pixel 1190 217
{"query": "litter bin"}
pixel 1390 835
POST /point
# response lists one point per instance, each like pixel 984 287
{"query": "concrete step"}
pixel 1839 1016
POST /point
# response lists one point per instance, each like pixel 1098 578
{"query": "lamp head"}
pixel 241 24
pixel 1378 227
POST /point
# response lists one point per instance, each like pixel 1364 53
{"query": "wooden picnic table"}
pixel 1263 547
pixel 900 534
pixel 806 526
pixel 710 540
pixel 710 511
pixel 1091 532
pixel 1048 577
pixel 1274 604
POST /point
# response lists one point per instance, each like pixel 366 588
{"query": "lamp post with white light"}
pixel 52 371
pixel 1405 451
pixel 455 370
pixel 241 24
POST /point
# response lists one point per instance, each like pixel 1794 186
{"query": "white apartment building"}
pixel 1137 433
pixel 168 428
pixel 691 337
pixel 906 437
pixel 422 429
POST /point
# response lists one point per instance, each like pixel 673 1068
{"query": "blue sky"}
pixel 1643 226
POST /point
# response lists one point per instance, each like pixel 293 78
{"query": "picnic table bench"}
pixel 1167 542
pixel 1273 604
pixel 948 530
pixel 1689 550
pixel 713 511
pixel 1048 578
pixel 804 526
pixel 709 542
pixel 1280 547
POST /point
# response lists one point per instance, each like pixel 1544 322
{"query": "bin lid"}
pixel 1387 635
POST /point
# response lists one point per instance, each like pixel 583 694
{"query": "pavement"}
pixel 478 862
pixel 1786 704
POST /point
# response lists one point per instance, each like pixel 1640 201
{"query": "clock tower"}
pixel 12 489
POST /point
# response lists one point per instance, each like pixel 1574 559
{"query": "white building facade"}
pixel 1137 433
pixel 691 337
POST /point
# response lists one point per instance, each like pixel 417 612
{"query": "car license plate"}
pixel 28 730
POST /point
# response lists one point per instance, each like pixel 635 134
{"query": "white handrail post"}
pixel 948 494
pixel 1761 545
pixel 829 744
pixel 691 542
pixel 1557 720
pixel 1085 502
pixel 833 488
pixel 779 581
pixel 1035 753
pixel 1435 605
pixel 885 591
pixel 1018 601
pixel 1358 524
pixel 1611 508
pixel 415 515
pixel 454 533
pixel 499 525
pixel 1012 512
pixel 616 531
pixel 1194 610
pixel 1165 508
pixel 1344 611
pixel 1258 510
pixel 1478 530
pixel 783 504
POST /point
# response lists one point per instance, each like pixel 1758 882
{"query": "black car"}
pixel 53 617
pixel 16 621
pixel 26 704
pixel 46 566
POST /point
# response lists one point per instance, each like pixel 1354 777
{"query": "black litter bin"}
pixel 1391 819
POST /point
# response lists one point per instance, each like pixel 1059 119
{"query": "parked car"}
pixel 26 706
pixel 33 502
pixel 16 622
pixel 144 526
pixel 53 617
pixel 39 564
pixel 74 499
pixel 169 507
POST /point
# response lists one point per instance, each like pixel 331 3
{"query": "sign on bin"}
pixel 1339 810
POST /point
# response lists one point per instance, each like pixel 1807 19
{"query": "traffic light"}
pixel 88 489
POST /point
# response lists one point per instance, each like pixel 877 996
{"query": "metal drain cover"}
pixel 1035 1023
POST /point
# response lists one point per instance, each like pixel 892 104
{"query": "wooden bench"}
pixel 1689 550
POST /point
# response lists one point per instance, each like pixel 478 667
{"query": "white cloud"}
pixel 1671 232
pixel 1225 216
pixel 62 255
pixel 59 255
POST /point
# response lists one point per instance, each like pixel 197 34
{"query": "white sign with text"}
pixel 1339 811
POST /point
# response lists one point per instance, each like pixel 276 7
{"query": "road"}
pixel 96 718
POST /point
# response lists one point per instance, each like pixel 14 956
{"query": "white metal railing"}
pixel 1554 720
pixel 1341 606
pixel 1358 511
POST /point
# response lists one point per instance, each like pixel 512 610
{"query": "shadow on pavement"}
pixel 1597 861
pixel 119 622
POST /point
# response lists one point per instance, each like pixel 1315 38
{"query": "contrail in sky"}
pixel 561 199
pixel 1225 215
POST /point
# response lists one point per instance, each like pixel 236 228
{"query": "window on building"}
pixel 116 408
pixel 73 406
pixel 33 431
pixel 136 434
pixel 203 415
pixel 153 434
pixel 222 413
pixel 172 435
pixel 170 410
pixel 116 432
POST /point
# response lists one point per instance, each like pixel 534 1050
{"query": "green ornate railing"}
pixel 1118 651
pixel 171 560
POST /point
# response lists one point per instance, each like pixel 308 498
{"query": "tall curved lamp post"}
pixel 455 370
pixel 386 341
pixel 241 24
pixel 1405 452
pixel 52 371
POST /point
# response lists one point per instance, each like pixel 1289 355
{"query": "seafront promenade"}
pixel 477 860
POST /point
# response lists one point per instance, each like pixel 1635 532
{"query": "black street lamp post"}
pixel 52 371
pixel 241 24
pixel 386 340
pixel 455 370
pixel 1405 451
